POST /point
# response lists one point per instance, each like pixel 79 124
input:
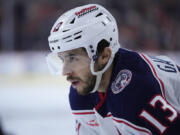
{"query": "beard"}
pixel 91 80
pixel 87 84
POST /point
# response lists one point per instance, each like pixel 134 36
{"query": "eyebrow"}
pixel 70 54
pixel 67 55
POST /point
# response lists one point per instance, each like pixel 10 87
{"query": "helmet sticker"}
pixel 57 27
pixel 86 11
pixel 122 80
pixel 54 41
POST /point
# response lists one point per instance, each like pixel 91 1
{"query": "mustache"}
pixel 72 78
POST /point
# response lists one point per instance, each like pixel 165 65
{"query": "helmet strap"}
pixel 98 80
pixel 99 73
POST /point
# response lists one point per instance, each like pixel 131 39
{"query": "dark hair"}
pixel 101 45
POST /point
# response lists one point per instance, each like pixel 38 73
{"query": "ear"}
pixel 104 56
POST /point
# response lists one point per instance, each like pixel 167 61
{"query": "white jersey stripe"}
pixel 132 126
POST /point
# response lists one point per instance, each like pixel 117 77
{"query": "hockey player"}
pixel 113 91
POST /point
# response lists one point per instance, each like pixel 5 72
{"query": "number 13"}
pixel 164 106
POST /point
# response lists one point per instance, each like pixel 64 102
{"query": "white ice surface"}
pixel 32 105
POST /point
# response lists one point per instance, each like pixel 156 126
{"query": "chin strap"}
pixel 114 48
pixel 98 80
pixel 99 73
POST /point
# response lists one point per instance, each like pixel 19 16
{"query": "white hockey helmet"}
pixel 85 26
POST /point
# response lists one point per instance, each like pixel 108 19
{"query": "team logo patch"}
pixel 122 80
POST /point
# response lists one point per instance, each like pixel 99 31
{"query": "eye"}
pixel 73 58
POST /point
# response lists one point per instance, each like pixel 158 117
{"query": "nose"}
pixel 67 70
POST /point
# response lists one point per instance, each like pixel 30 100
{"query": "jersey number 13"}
pixel 164 106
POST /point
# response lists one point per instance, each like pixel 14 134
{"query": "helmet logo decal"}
pixel 57 27
pixel 86 11
pixel 54 41
pixel 122 80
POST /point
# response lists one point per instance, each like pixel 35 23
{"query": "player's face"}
pixel 76 67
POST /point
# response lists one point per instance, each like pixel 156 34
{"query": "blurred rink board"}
pixel 33 102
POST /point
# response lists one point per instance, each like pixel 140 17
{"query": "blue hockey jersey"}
pixel 143 98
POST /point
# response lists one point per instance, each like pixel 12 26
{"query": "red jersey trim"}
pixel 83 113
pixel 78 128
pixel 102 100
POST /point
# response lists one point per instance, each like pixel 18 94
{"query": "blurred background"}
pixel 32 102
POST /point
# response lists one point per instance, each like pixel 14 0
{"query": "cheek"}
pixel 85 75
pixel 80 67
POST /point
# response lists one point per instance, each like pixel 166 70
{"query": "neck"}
pixel 105 80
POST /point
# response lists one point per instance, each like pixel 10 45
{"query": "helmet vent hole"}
pixel 110 38
pixel 69 40
pixel 52 48
pixel 58 47
pixel 65 30
pixel 77 37
pixel 72 22
pixel 99 14
pixel 77 32
pixel 104 23
pixel 108 18
pixel 66 37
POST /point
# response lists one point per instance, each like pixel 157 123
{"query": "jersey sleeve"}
pixel 82 109
pixel 167 74
pixel 165 108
